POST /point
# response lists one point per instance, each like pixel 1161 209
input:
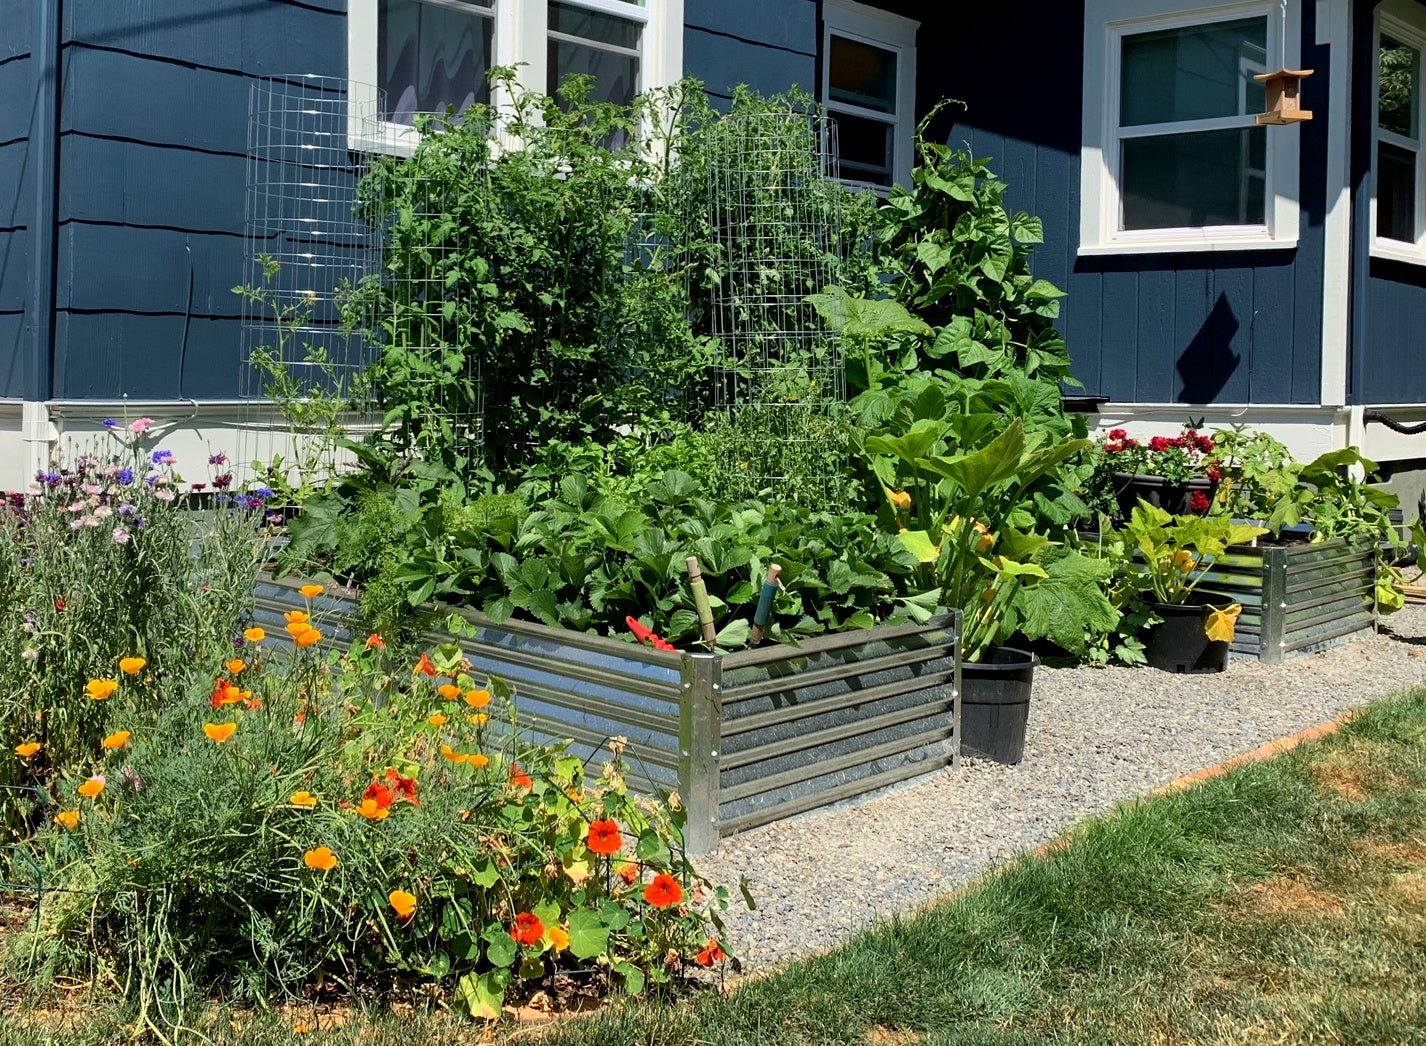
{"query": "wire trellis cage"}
pixel 307 250
pixel 775 217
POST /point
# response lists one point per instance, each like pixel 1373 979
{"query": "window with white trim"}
pixel 423 56
pixel 1173 157
pixel 1399 200
pixel 869 90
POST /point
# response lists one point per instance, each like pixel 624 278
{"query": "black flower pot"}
pixel 995 704
pixel 1175 498
pixel 1180 643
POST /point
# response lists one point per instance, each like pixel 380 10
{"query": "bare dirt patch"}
pixel 1282 895
pixel 1353 772
pixel 880 1036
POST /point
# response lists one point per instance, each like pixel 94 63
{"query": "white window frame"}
pixel 1407 23
pixel 1106 23
pixel 888 32
pixel 521 40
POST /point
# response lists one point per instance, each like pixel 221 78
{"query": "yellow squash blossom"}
pixel 254 635
pixel 101 689
pixel 404 903
pixel 321 859
pixel 478 698
pixel 309 638
pixel 92 787
pixel 27 749
pixel 68 818
pixel 303 798
pixel 900 499
pixel 131 666
pixel 311 591
pixel 118 739
pixel 219 732
pixel 1183 560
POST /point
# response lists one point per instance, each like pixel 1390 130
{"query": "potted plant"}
pixel 1174 553
pixel 1175 473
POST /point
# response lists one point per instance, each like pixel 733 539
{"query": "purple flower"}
pixel 127 510
pixel 163 457
pixel 199 487
pixel 52 479
pixel 238 641
pixel 217 459
pixel 223 482
pixel 262 492
pixel 109 423
pixel 126 476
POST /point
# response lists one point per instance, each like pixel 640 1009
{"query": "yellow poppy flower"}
pixel 309 638
pixel 372 811
pixel 118 739
pixel 235 666
pixel 321 859
pixel 454 756
pixel 219 732
pixel 131 666
pixel 92 787
pixel 311 591
pixel 254 635
pixel 403 902
pixel 303 798
pixel 68 818
pixel 297 617
pixel 436 720
pixel 101 689
pixel 478 698
pixel 27 749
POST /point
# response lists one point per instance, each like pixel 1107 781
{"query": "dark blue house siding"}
pixel 770 45
pixel 152 172
pixel 16 191
pixel 1174 328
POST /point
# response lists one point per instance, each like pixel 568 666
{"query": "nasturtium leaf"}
pixel 485 873
pixel 576 868
pixel 439 966
pixel 500 947
pixel 613 914
pixel 547 911
pixel 465 947
pixel 530 969
pixel 652 849
pixel 633 977
pixel 588 936
pixel 1222 623
pixel 479 996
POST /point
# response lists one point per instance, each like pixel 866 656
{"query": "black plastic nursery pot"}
pixel 1180 643
pixel 995 704
pixel 1176 498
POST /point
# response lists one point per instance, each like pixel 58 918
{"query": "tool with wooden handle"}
pixel 764 610
pixel 700 602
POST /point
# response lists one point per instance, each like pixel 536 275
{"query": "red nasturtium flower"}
pixel 374 642
pixel 379 794
pixel 402 787
pixel 710 954
pixel 519 778
pixel 527 929
pixel 664 891
pixel 604 837
pixel 424 666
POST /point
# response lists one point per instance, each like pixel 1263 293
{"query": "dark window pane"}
pixel 1396 94
pixel 860 74
pixel 1193 73
pixel 1395 193
pixel 431 57
pixel 594 26
pixel 864 148
pixel 616 76
pixel 1194 180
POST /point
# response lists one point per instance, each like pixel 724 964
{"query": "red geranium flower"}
pixel 604 837
pixel 1158 443
pixel 527 929
pixel 1118 434
pixel 1214 474
pixel 379 794
pixel 663 891
pixel 1198 501
pixel 710 954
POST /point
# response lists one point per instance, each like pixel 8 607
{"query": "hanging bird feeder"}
pixel 1283 102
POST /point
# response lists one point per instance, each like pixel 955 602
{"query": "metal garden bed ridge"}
pixel 744 738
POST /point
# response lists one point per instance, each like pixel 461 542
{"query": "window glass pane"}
pixel 594 26
pixel 1395 193
pixel 1193 73
pixel 864 148
pixel 860 74
pixel 1177 181
pixel 1396 95
pixel 430 57
pixel 616 75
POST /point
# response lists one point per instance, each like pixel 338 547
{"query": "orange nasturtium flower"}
pixel 321 859
pixel 403 902
pixel 297 617
pixel 311 591
pixel 449 691
pixel 101 689
pixel 527 929
pixel 118 739
pixel 559 937
pixel 478 698
pixel 372 810
pixel 68 818
pixel 628 871
pixel 235 666
pixel 374 642
pixel 519 778
pixel 219 732
pixel 303 798
pixel 254 635
pixel 710 954
pixel 664 891
pixel 604 837
pixel 424 666
pixel 454 756
pixel 131 666
pixel 92 787
pixel 27 749
pixel 437 719
pixel 309 638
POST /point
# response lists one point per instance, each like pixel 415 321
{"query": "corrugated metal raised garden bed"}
pixel 745 738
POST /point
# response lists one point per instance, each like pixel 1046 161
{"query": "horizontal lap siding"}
pixel 769 46
pixel 153 179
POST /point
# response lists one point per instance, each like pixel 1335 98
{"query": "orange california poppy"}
pixel 437 719
pixel 710 954
pixel 219 732
pixel 372 811
pixel 663 891
pixel 131 666
pixel 321 859
pixel 27 749
pixel 225 693
pixel 118 739
pixel 92 787
pixel 254 635
pixel 479 719
pixel 303 798
pixel 374 642
pixel 527 929
pixel 604 837
pixel 478 698
pixel 519 778
pixel 311 591
pixel 309 638
pixel 68 818
pixel 235 666
pixel 424 666
pixel 298 628
pixel 454 756
pixel 559 937
pixel 101 689
pixel 477 760
pixel 449 691
pixel 403 902
pixel 297 617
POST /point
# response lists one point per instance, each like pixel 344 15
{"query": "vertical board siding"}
pixel 170 357
pixel 17 194
pixel 767 46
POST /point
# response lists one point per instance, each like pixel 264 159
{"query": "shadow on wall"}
pixel 1208 361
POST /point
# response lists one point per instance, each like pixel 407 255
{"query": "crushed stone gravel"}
pixel 1096 737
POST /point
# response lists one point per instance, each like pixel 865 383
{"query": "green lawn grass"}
pixel 1282 903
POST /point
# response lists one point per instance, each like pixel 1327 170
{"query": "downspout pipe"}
pixel 44 148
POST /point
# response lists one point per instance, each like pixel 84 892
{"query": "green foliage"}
pixel 1177 551
pixel 1258 472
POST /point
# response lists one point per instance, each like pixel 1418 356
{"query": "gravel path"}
pixel 1096 736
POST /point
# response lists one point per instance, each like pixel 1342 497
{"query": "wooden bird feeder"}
pixel 1283 104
